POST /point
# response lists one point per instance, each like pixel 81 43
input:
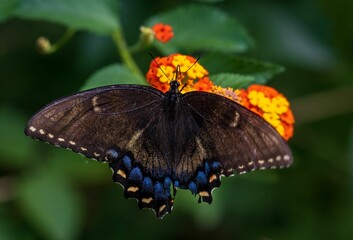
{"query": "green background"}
pixel 51 193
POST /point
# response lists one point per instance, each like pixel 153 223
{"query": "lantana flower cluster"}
pixel 270 105
pixel 263 100
pixel 163 70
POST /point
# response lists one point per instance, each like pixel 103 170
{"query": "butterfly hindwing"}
pixel 242 140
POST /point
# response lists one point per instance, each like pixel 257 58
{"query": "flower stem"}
pixel 63 39
pixel 125 54
pixel 46 47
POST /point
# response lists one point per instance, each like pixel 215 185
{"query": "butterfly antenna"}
pixel 182 75
pixel 159 66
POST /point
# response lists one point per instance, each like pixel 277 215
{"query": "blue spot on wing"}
pixel 147 185
pixel 193 187
pixel 136 175
pixel 112 154
pixel 159 191
pixel 167 182
pixel 201 178
pixel 216 165
pixel 127 162
pixel 176 183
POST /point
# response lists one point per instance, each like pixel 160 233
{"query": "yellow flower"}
pixel 182 61
pixel 165 74
pixel 197 71
pixel 272 118
pixel 279 104
pixel 265 104
pixel 280 129
pixel 270 105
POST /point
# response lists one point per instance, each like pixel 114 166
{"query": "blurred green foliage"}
pixel 51 193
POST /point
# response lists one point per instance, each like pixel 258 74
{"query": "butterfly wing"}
pixel 115 124
pixel 90 121
pixel 243 140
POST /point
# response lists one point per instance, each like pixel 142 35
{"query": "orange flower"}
pixel 270 105
pixel 193 79
pixel 163 32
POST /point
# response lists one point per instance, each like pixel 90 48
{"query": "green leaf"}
pixel 10 225
pixel 6 8
pixel 232 80
pixel 198 27
pixel 210 1
pixel 15 148
pixel 112 74
pixel 50 204
pixel 92 15
pixel 260 70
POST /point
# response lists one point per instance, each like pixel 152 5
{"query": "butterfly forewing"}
pixel 243 141
pixel 94 121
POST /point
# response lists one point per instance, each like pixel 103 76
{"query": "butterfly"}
pixel 156 143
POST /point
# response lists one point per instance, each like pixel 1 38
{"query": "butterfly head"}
pixel 174 87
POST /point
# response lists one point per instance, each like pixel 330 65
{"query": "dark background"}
pixel 313 40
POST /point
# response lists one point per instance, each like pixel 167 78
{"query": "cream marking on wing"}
pixel 250 163
pixel 242 172
pixel 213 177
pixel 146 200
pixel 41 131
pixel 132 189
pixel 204 194
pixel 121 173
pixel 97 109
pixel 83 149
pixel 96 154
pixel 201 149
pixel 72 143
pixel 278 158
pixel 133 140
pixel 286 158
pixel 61 140
pixel 33 129
pixel 162 208
pixel 50 135
pixel 270 160
pixel 236 120
pixel 94 101
pixel 261 162
pixel 241 167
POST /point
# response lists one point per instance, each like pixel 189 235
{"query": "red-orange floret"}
pixel 163 32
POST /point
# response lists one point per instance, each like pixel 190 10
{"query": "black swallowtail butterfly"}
pixel 154 140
